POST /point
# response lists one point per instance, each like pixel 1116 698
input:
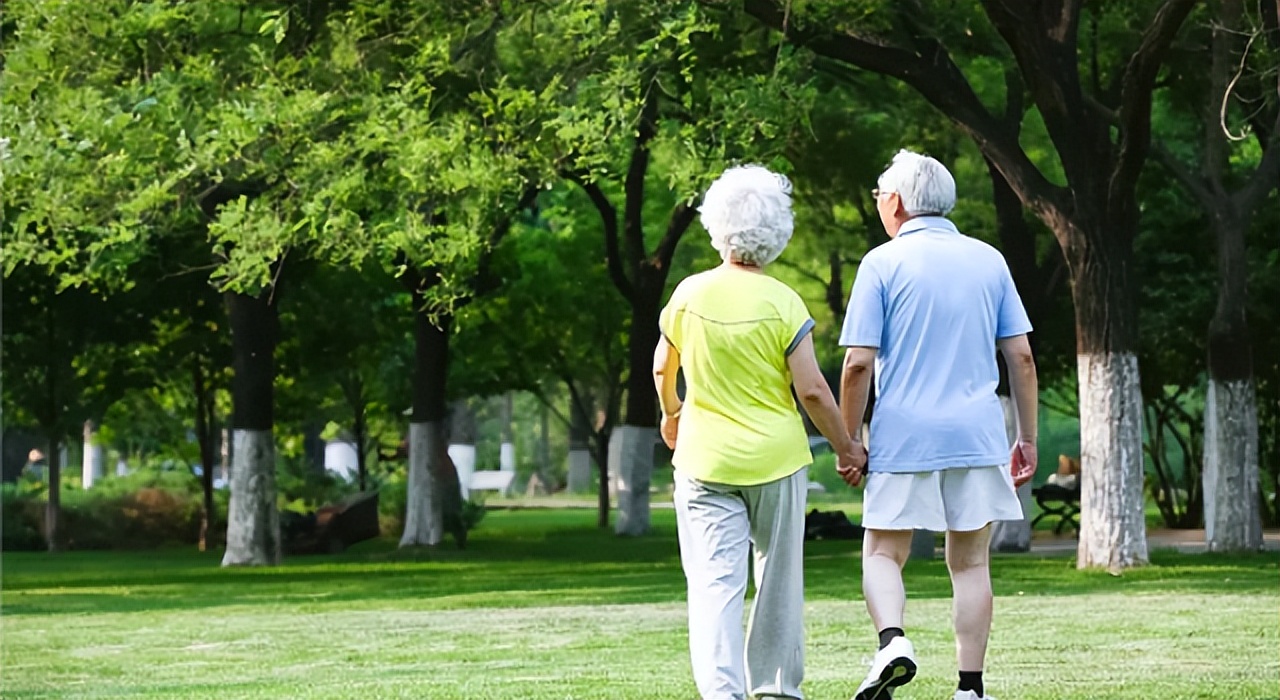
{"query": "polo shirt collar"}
pixel 921 223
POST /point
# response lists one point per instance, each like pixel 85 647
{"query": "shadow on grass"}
pixel 530 558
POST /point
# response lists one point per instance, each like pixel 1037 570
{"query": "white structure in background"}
pixel 464 460
pixel 579 469
pixel 341 459
pixel 93 458
pixel 507 457
pixel 507 453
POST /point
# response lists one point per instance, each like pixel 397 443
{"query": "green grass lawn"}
pixel 543 606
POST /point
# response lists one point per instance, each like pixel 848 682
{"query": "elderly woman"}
pixel 743 340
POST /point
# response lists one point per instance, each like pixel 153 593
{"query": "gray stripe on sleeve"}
pixel 805 329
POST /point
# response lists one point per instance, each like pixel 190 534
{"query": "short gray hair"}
pixel 924 184
pixel 747 211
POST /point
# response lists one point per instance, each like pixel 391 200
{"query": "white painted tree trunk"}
pixel 226 449
pixel 93 458
pixel 253 523
pixel 507 457
pixel 1113 529
pixel 579 471
pixel 631 461
pixel 423 518
pixel 507 451
pixel 464 460
pixel 1231 517
pixel 1013 535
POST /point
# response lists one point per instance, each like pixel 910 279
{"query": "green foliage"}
pixel 20 519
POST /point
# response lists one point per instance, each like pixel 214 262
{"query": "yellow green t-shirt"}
pixel 734 329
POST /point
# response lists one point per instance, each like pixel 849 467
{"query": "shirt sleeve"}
pixel 864 318
pixel 669 319
pixel 796 323
pixel 1012 317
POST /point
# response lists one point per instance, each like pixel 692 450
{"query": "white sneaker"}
pixel 970 695
pixel 893 666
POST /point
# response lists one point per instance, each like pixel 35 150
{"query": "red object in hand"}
pixel 1022 463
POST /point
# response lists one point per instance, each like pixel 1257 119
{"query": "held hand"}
pixel 851 466
pixel 670 430
pixel 1022 462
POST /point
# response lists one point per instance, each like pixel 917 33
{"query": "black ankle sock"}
pixel 972 680
pixel 887 634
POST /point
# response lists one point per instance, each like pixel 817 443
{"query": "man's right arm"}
pixel 1025 388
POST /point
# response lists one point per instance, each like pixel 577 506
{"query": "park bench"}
pixel 499 481
pixel 333 527
pixel 1060 502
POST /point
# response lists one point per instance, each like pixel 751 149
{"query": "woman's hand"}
pixel 852 465
pixel 670 429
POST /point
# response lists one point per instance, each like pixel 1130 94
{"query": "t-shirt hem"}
pixel 939 465
pixel 773 476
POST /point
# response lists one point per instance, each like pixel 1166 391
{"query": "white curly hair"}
pixel 747 211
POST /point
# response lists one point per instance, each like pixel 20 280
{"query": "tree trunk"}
pixel 53 504
pixel 434 501
pixel 360 435
pixel 544 449
pixel 1233 517
pixel 507 450
pixel 204 437
pixel 1233 521
pixel 579 467
pixel 423 520
pixel 253 523
pixel 631 445
pixel 226 447
pixel 462 443
pixel 92 458
pixel 1113 532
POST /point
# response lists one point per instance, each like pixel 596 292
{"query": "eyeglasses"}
pixel 875 194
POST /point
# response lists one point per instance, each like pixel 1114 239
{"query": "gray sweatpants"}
pixel 718 524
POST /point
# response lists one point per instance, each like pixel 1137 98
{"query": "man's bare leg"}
pixel 968 559
pixel 883 554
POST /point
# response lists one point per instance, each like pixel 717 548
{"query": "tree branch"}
pixel 1136 94
pixel 1194 185
pixel 929 69
pixel 633 185
pixel 609 218
pixel 681 217
pixel 484 280
pixel 1267 175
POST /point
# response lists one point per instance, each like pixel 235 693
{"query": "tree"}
pixel 349 349
pixel 556 323
pixel 1098 119
pixel 1232 519
pixel 67 358
pixel 653 82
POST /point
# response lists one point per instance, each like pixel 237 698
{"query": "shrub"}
pixel 21 509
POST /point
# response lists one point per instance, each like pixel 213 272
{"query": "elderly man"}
pixel 928 311
pixel 741 453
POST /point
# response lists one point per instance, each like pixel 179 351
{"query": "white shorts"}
pixel 960 498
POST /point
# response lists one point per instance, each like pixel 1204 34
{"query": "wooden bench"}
pixel 1062 503
pixel 499 481
pixel 333 527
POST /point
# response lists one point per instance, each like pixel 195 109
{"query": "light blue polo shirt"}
pixel 933 301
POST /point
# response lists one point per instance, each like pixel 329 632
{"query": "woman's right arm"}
pixel 815 395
